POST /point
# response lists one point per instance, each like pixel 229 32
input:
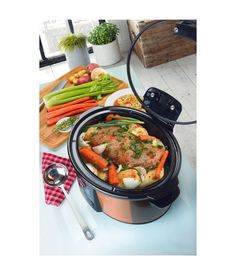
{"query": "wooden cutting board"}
pixel 47 137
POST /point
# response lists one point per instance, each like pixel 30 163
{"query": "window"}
pixel 52 31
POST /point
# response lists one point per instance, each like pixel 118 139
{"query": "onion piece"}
pixel 157 143
pixel 92 168
pixel 100 148
pixel 142 172
pixel 82 142
pixel 119 168
pixel 130 183
pixel 96 73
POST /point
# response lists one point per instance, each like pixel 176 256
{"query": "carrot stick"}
pixel 112 175
pixel 93 157
pixel 51 121
pixel 146 137
pixel 69 108
pixel 80 100
pixel 110 117
pixel 161 164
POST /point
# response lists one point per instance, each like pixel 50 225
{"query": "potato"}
pixel 129 173
pixel 75 80
pixel 71 78
pixel 84 79
pixel 81 73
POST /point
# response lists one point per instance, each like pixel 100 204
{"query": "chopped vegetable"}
pixel 112 175
pixel 93 157
pixel 157 143
pixel 100 148
pixel 110 117
pixel 64 125
pixel 142 172
pixel 144 137
pixel 119 168
pixel 131 183
pixel 82 142
pixel 161 164
pixel 92 168
pixel 137 147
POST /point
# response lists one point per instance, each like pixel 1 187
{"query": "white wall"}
pixel 123 38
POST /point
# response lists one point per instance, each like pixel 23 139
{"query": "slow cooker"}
pixel 135 206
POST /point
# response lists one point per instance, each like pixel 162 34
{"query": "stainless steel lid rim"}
pixel 97 183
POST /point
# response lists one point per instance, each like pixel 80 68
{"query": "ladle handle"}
pixel 87 232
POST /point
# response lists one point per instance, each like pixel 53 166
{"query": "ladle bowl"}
pixel 55 175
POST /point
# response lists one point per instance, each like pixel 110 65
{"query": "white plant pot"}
pixel 107 54
pixel 77 57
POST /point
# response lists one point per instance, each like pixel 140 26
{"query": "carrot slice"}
pixel 161 164
pixel 51 121
pixel 93 157
pixel 110 117
pixel 113 175
pixel 80 100
pixel 69 109
pixel 146 137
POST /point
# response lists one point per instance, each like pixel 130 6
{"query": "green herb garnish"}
pixel 147 141
pixel 152 167
pixel 124 167
pixel 65 125
pixel 125 148
pixel 137 147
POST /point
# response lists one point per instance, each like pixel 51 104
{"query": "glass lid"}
pixel 167 105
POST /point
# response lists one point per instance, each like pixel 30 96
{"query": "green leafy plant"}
pixel 69 42
pixel 103 34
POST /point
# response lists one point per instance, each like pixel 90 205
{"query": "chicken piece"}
pixel 124 147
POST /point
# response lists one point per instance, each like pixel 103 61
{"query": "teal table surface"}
pixel 172 234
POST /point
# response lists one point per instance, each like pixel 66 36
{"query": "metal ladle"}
pixel 55 175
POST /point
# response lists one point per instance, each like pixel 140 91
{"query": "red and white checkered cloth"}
pixel 54 195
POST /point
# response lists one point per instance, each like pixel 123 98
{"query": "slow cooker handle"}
pixel 167 200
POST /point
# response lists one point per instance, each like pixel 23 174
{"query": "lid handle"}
pixel 163 104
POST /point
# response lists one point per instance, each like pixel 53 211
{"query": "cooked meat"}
pixel 125 148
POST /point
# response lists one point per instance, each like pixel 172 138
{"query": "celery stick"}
pixel 66 90
pixel 58 97
pixel 82 87
pixel 53 102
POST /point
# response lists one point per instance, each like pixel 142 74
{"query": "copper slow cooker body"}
pixel 130 206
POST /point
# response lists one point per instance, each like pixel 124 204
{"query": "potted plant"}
pixel 105 44
pixel 75 48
